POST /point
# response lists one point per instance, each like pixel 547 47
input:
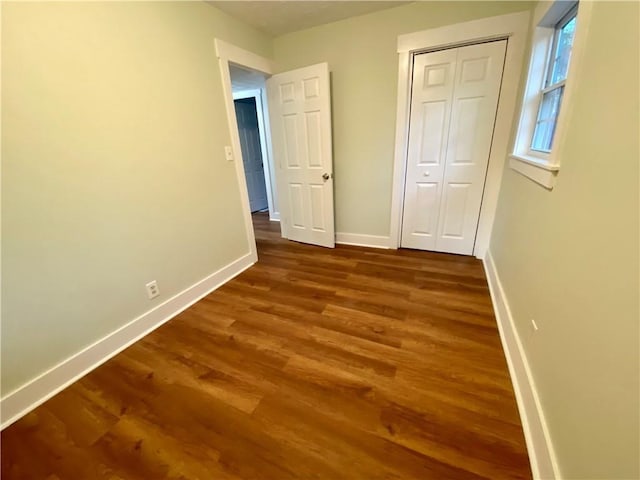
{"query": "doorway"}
pixel 299 151
pixel 252 119
pixel 454 100
pixel 252 157
pixel 513 28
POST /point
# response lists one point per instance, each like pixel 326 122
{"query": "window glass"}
pixel 547 119
pixel 563 51
pixel 551 97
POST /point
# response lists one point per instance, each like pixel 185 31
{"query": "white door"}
pixel 247 117
pixel 454 98
pixel 300 113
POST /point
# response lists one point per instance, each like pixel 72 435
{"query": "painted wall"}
pixel 113 169
pixel 568 258
pixel 362 56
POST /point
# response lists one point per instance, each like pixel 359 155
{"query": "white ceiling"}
pixel 280 17
pixel 242 79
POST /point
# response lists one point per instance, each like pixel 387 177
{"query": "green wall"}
pixel 113 169
pixel 363 59
pixel 113 174
pixel 568 258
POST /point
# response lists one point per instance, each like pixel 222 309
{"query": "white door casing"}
pixel 454 100
pixel 228 53
pixel 247 117
pixel 513 27
pixel 300 113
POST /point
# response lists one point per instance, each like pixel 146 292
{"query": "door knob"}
pixel 326 176
pixel 426 174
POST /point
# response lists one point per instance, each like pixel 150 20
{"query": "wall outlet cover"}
pixel 152 289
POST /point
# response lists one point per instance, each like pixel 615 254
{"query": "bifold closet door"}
pixel 454 98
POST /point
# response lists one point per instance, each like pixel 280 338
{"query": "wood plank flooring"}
pixel 350 363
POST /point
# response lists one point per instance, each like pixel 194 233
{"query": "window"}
pixel 556 39
pixel 551 98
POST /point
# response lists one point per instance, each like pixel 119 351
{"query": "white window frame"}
pixel 549 87
pixel 543 167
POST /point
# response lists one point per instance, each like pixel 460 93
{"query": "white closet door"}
pixel 431 97
pixel 453 107
pixel 300 112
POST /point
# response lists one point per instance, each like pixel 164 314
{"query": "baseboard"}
pixel 21 401
pixel 539 445
pixel 373 241
pixel 274 217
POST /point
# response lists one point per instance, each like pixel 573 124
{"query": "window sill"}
pixel 535 169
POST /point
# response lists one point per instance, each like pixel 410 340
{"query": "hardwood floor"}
pixel 350 363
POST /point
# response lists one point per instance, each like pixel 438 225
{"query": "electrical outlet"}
pixel 228 153
pixel 534 325
pixel 152 289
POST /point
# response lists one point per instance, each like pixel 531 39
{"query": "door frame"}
pixel 228 53
pixel 264 132
pixel 512 27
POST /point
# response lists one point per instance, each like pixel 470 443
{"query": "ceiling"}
pixel 280 17
pixel 242 79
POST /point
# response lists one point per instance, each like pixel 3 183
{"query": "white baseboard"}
pixel 541 454
pixel 21 401
pixel 373 241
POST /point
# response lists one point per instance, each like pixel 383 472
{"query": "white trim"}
pixel 251 93
pixel 243 57
pixel 514 27
pixel 228 53
pixel 474 31
pixel 405 73
pixel 360 240
pixel 275 215
pixel 546 16
pixel 35 392
pixel 578 50
pixel 542 457
pixel 536 162
pixel 260 94
pixel 537 170
pixel 541 42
